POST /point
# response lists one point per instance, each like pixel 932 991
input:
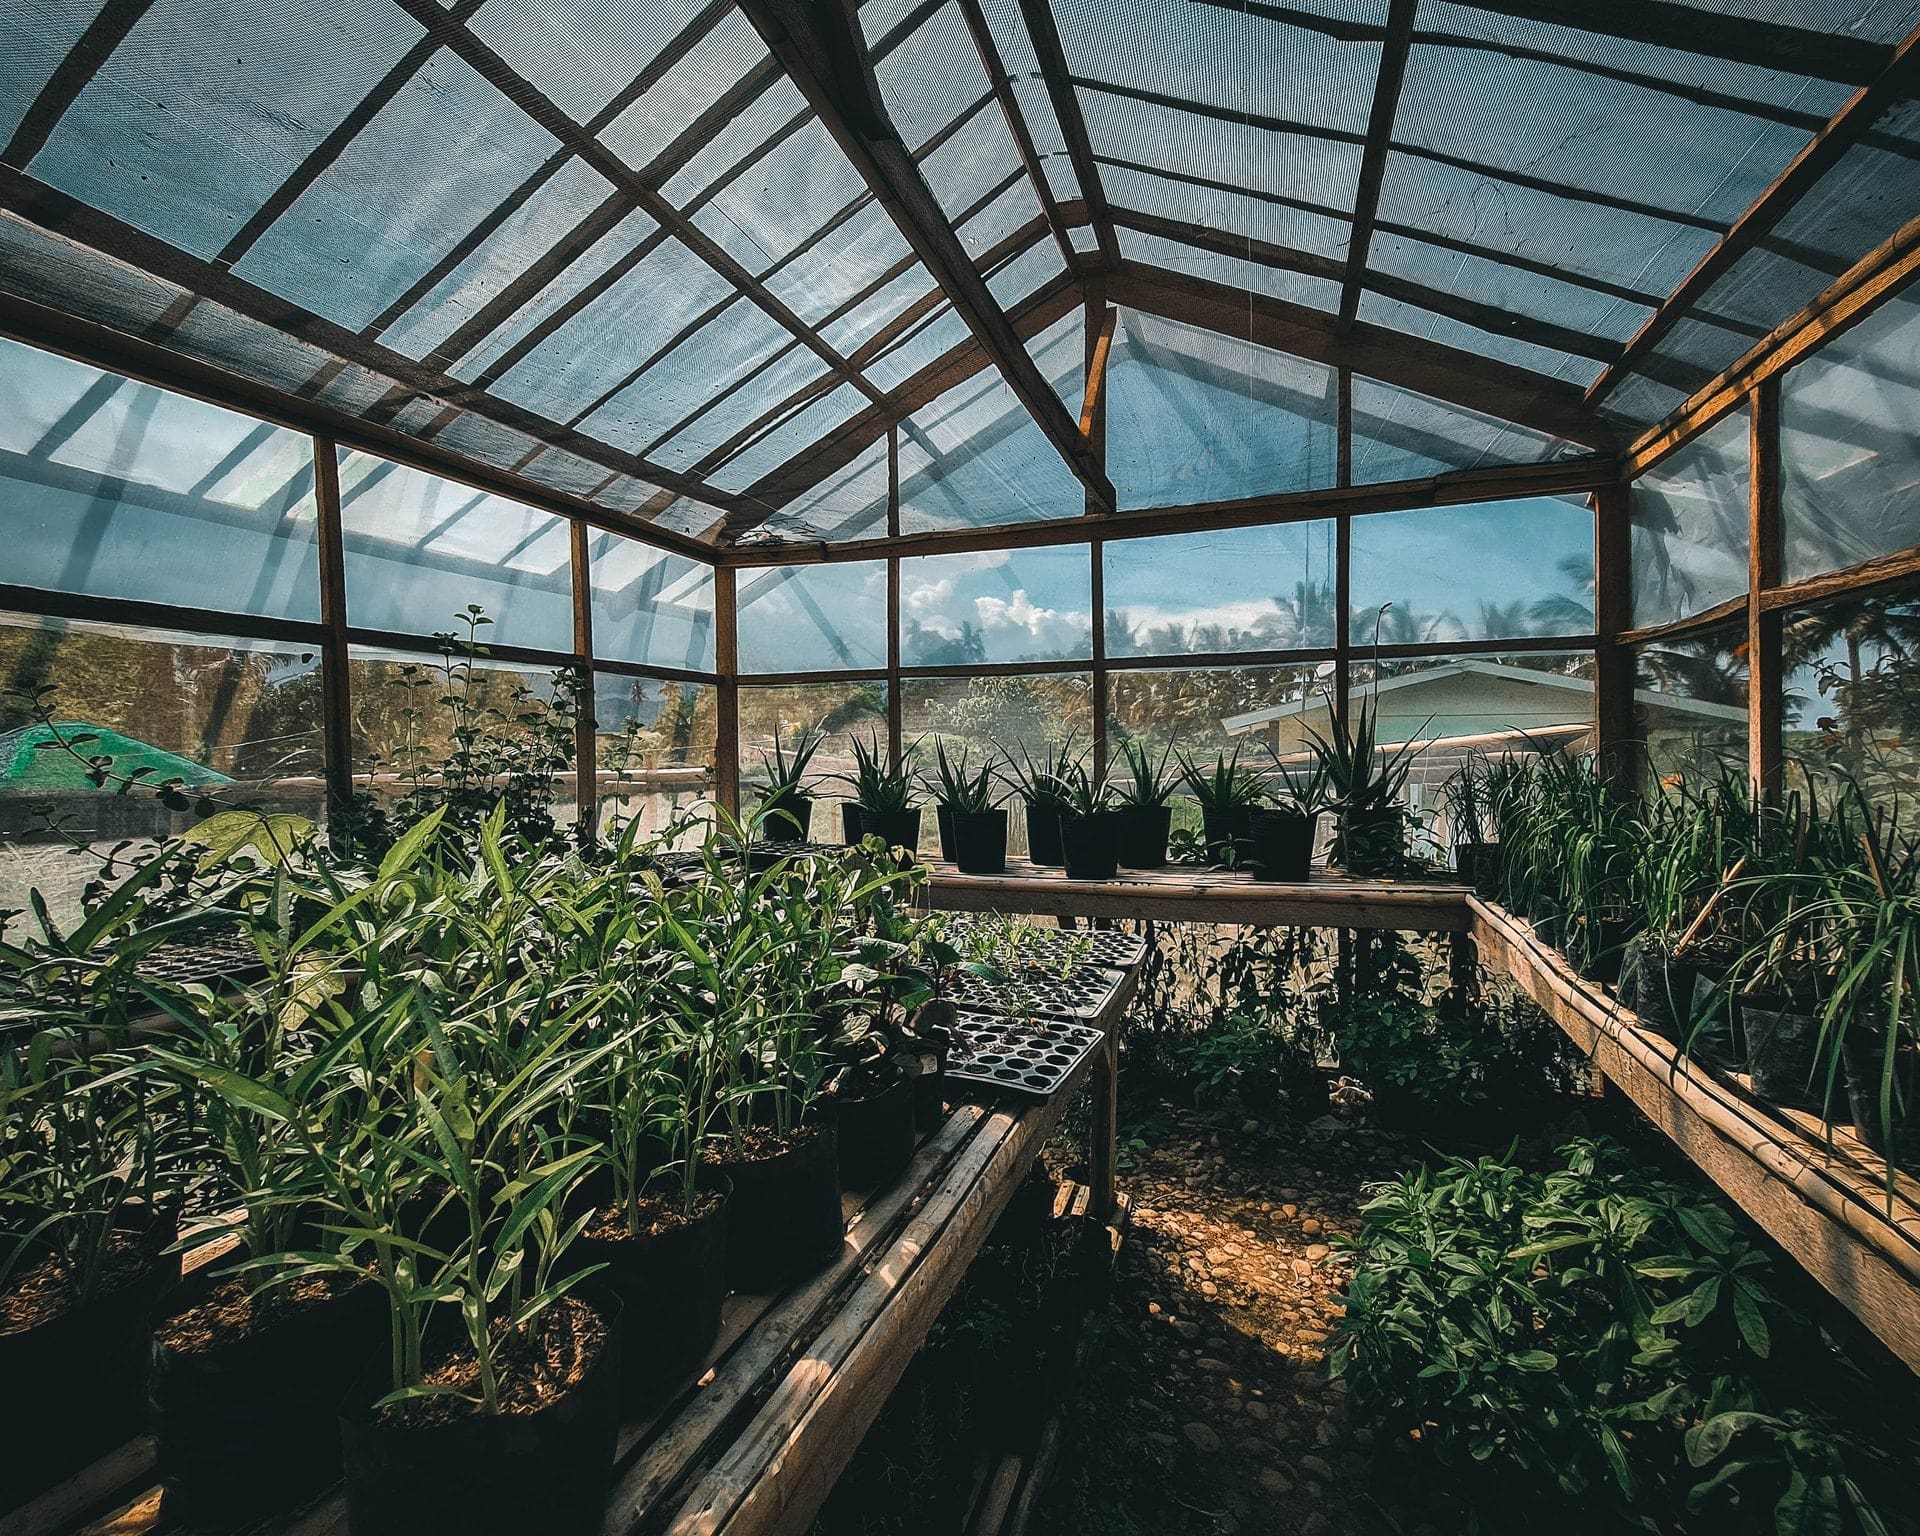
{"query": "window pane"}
pixel 650 606
pixel 235 721
pixel 114 489
pixel 420 549
pixel 656 745
pixel 1851 698
pixel 1849 458
pixel 1690 703
pixel 813 618
pixel 847 711
pixel 1495 572
pixel 994 716
pixel 1690 526
pixel 1400 435
pixel 1247 589
pixel 997 606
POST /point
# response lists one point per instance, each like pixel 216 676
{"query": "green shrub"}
pixel 1588 1338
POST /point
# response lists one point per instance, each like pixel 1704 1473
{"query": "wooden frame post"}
pixel 1343 557
pixel 896 704
pixel 1763 571
pixel 586 736
pixel 1099 328
pixel 336 688
pixel 1613 663
pixel 726 652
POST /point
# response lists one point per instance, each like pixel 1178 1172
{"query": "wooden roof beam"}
pixel 1058 78
pixel 1102 349
pixel 1394 49
pixel 1897 81
pixel 990 61
pixel 822 51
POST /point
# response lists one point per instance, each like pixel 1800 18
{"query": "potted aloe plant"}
pixel 1089 828
pixel 1227 793
pixel 1280 835
pixel 884 792
pixel 786 800
pixel 973 824
pixel 1146 818
pixel 1040 780
pixel 1366 784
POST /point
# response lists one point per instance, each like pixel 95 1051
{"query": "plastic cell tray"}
pixel 1080 994
pixel 1023 1055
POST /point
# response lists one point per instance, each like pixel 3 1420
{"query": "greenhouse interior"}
pixel 959 767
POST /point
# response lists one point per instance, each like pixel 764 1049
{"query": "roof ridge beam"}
pixel 824 54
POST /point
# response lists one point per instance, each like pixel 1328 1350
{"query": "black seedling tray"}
pixel 1026 1055
pixel 212 957
pixel 1049 947
pixel 1081 994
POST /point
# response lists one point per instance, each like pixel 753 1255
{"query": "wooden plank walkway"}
pixel 1206 896
pixel 1826 1201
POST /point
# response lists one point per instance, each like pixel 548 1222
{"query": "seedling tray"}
pixel 1081 994
pixel 1050 947
pixel 1023 1055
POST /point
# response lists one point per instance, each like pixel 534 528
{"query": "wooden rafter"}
pixel 1861 111
pixel 822 51
pixel 1394 48
pixel 1058 79
pixel 990 61
pixel 1099 350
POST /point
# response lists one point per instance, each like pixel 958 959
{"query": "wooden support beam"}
pixel 1880 574
pixel 726 655
pixel 586 739
pixel 1100 344
pixel 336 695
pixel 822 51
pixel 1713 34
pixel 1764 682
pixel 1446 373
pixel 1392 73
pixel 1613 662
pixel 1058 77
pixel 996 69
pixel 1877 277
pixel 1896 81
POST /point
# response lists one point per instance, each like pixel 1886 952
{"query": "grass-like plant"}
pixel 1228 785
pixel 878 783
pixel 1150 780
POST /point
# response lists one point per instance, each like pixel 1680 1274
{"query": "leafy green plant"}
pixel 1366 784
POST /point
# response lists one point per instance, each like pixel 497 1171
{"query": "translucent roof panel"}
pixel 850 502
pixel 1401 435
pixel 1193 416
pixel 1690 516
pixel 1229 271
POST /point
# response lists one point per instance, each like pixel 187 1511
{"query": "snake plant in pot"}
pixel 973 824
pixel 785 812
pixel 1366 785
pixel 1227 792
pixel 1146 818
pixel 1040 779
pixel 1280 834
pixel 884 792
pixel 1089 827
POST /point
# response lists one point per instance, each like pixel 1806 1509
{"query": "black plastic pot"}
pixel 788 818
pixel 1658 988
pixel 1372 842
pixel 784 1218
pixel 930 1099
pixel 1486 871
pixel 488 1474
pixel 1143 833
pixel 1548 918
pixel 247 1425
pixel 670 1284
pixel 943 820
pixel 1090 845
pixel 1712 1033
pixel 75 1386
pixel 898 829
pixel 850 830
pixel 1225 829
pixel 1280 844
pixel 1780 1044
pixel 979 840
pixel 1602 947
pixel 1043 832
pixel 876 1131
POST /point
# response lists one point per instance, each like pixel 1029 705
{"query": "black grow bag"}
pixel 248 1425
pixel 1658 988
pixel 784 1219
pixel 1780 1045
pixel 876 1131
pixel 1043 832
pixel 488 1474
pixel 979 840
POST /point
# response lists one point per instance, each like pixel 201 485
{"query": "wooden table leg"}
pixel 1104 1133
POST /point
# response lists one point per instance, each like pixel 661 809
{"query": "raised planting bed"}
pixel 1826 1199
pixel 1206 896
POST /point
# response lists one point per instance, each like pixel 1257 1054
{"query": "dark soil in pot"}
pixel 898 829
pixel 1090 845
pixel 850 829
pixel 73 1377
pixel 943 821
pixel 1144 830
pixel 784 1219
pixel 980 840
pixel 788 819
pixel 1658 988
pixel 1281 844
pixel 1780 1039
pixel 876 1130
pixel 1225 833
pixel 246 1390
pixel 1043 832
pixel 670 1278
pixel 544 1465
